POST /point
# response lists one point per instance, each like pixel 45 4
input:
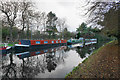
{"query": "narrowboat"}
pixel 75 41
pixel 90 41
pixel 93 41
pixel 38 44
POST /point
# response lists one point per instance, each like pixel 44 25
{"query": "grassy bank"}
pixel 9 44
pixel 103 63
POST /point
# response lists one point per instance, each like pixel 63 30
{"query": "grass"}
pixel 67 75
pixel 96 51
pixel 85 60
pixel 74 69
pixel 9 44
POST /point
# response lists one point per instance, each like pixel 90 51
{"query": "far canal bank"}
pixel 103 63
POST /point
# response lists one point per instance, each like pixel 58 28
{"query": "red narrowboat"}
pixel 39 44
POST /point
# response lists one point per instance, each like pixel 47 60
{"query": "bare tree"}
pixel 26 14
pixel 10 10
pixel 40 19
pixel 61 23
pixel 44 19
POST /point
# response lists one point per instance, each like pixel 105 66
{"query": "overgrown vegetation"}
pixel 105 14
pixel 91 32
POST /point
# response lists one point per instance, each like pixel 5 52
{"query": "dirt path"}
pixel 103 64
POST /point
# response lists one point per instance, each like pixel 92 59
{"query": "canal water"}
pixel 47 63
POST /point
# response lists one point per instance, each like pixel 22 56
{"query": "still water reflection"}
pixel 48 63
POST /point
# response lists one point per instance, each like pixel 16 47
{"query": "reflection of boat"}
pixel 4 49
pixel 38 52
pixel 35 44
pixel 75 45
pixel 75 41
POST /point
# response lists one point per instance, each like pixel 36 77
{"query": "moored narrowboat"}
pixel 90 41
pixel 75 41
pixel 39 44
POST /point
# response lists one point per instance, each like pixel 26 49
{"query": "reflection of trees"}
pixel 9 69
pixel 67 49
pixel 39 64
pixel 80 52
pixel 61 56
pixel 51 61
pixel 31 66
pixel 88 49
pixel 84 50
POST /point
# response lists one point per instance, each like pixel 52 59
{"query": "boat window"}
pixel 52 41
pixel 37 42
pixel 60 41
pixel 56 41
pixel 45 41
pixel 37 52
pixel 45 51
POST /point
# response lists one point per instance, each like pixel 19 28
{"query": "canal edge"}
pixel 81 64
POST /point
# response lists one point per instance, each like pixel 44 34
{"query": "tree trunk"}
pixel 18 37
pixel 11 36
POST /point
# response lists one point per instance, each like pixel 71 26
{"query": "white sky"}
pixel 69 9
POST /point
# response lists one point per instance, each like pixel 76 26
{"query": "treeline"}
pixel 35 35
pixel 21 20
pixel 89 32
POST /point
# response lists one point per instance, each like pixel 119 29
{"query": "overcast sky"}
pixel 69 9
pixel 72 10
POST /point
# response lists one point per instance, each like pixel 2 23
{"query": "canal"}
pixel 46 63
